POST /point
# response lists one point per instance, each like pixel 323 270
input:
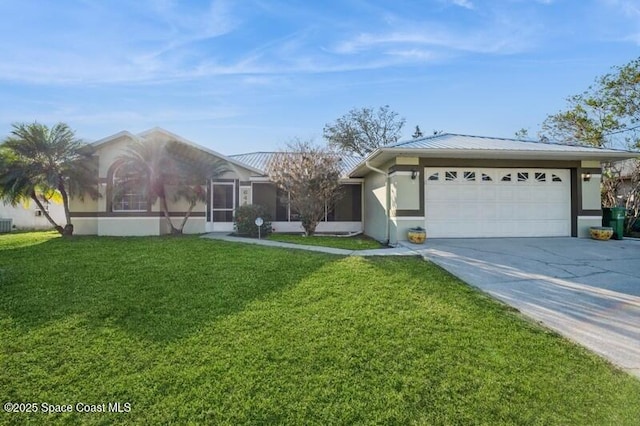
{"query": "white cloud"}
pixel 621 20
pixel 478 41
pixel 104 43
pixel 467 4
pixel 632 9
pixel 175 41
pixel 418 55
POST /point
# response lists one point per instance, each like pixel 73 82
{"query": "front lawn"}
pixel 209 332
pixel 359 242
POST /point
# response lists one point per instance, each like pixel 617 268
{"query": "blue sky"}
pixel 249 75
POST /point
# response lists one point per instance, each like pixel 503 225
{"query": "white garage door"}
pixel 475 202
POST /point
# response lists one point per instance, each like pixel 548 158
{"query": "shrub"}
pixel 245 219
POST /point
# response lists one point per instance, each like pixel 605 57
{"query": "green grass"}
pixel 210 332
pixel 359 242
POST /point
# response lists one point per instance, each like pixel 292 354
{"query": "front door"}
pixel 223 201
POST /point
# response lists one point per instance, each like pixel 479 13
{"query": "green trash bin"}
pixel 617 221
pixel 606 216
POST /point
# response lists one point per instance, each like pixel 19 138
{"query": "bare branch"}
pixel 310 176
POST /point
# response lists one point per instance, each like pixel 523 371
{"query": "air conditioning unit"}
pixel 6 225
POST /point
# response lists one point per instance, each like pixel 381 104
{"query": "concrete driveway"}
pixel 587 290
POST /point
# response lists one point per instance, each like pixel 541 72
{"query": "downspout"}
pixel 387 199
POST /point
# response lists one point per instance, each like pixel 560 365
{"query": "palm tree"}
pixel 193 171
pixel 38 162
pixel 155 166
pixel 151 169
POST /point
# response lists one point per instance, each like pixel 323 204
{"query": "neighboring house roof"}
pixel 449 145
pixel 627 167
pixel 170 136
pixel 260 161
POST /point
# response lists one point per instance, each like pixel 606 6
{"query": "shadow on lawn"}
pixel 157 288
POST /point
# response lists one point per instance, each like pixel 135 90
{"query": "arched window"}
pixel 129 194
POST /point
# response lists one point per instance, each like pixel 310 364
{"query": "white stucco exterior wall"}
pixel 591 198
pixel 375 199
pixel 405 192
pixel 27 218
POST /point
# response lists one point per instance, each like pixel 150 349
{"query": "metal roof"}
pixel 458 146
pixel 260 161
pixel 468 142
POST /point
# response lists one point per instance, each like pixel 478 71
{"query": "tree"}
pixel 309 175
pixel 192 171
pixel 151 169
pixel 522 134
pixel 606 114
pixel 155 166
pixel 361 131
pixel 417 134
pixel 621 187
pixel 39 163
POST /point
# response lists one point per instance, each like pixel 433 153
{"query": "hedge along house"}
pixel 129 212
pixel 467 186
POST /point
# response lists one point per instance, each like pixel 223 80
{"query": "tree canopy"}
pixel 606 114
pixel 157 166
pixel 362 130
pixel 309 175
pixel 38 163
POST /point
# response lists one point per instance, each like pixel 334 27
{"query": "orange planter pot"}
pixel 601 232
pixel 417 236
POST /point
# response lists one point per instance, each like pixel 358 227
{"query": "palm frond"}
pixel 44 162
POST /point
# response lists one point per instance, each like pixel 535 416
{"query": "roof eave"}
pixel 114 137
pixel 381 155
pixel 194 145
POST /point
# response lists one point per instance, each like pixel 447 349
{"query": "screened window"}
pixel 275 202
pixel 348 208
pixel 128 193
pixel 222 201
pixel 284 211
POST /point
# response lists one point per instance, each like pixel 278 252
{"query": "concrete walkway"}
pixel 586 290
pixel 396 251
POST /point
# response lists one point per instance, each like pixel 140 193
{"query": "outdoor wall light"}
pixel 414 174
pixel 586 177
